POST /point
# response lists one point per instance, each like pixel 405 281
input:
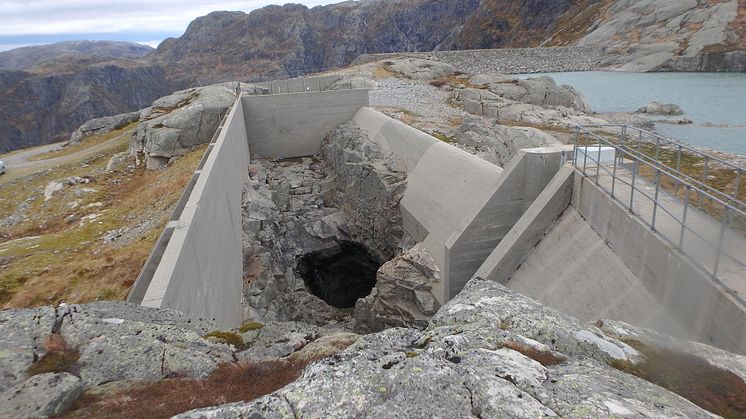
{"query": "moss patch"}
pixel 691 377
pixel 247 327
pixel 229 338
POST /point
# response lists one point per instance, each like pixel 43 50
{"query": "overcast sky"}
pixel 32 22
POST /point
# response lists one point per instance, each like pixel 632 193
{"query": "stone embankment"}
pixel 507 60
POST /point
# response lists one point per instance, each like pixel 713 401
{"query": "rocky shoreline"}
pixel 507 60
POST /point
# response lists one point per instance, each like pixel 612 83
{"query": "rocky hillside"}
pixel 25 57
pixel 55 94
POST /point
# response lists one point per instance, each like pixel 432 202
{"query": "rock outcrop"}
pixel 103 125
pixel 402 296
pixel 368 187
pixel 176 123
pixel 541 91
pixel 43 395
pixel 489 352
pixel 658 108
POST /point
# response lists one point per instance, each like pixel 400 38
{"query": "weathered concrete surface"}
pixel 478 231
pixel 711 315
pixel 517 244
pixel 201 270
pixel 293 125
pixel 574 271
pixel 301 84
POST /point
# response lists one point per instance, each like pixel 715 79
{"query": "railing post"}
pixel 598 163
pixel 575 147
pixel 738 183
pixel 726 216
pixel 704 180
pixel 678 168
pixel 613 172
pixel 632 186
pixel 585 158
pixel 655 201
pixel 683 218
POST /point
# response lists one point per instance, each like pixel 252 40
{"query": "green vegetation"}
pixel 229 338
pixel 247 327
pixel 442 137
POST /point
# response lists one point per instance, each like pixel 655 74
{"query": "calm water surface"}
pixel 707 98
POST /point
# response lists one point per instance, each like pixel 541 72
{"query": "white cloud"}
pixel 33 17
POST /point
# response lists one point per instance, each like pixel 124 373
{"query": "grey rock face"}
pixel 402 296
pixel 658 108
pixel 103 126
pixel 541 91
pixel 470 362
pixel 115 341
pixel 420 69
pixel 40 396
pixel 368 188
pixel 499 143
pixel 180 122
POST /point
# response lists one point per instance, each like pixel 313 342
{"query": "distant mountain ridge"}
pixel 52 96
pixel 26 57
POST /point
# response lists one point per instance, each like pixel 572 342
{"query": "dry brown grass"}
pixel 228 383
pixel 545 358
pixel 59 357
pixel 693 378
pixel 68 261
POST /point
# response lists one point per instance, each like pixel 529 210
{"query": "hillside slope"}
pixel 25 57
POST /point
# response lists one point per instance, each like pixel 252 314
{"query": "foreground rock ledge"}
pixel 472 361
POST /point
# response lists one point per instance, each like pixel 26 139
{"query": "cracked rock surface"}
pixel 479 357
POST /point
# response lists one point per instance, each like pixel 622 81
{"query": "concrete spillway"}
pixel 473 217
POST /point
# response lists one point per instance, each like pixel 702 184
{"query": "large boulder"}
pixel 103 125
pixel 403 294
pixel 659 108
pixel 541 91
pixel 179 122
pixel 41 396
pixel 419 69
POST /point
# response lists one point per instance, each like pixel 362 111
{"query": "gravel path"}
pixel 507 60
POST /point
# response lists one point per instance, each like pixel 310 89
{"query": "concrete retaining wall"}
pixel 200 271
pixel 479 231
pixel 300 84
pixel 517 244
pixel 294 125
pixel 710 313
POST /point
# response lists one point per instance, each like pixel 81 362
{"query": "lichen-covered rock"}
pixel 40 396
pixel 103 125
pixel 403 295
pixel 187 118
pixel 470 363
pixel 115 341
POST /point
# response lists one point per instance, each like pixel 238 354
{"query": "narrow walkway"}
pixel 701 237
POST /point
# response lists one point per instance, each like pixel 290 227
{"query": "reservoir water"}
pixel 716 102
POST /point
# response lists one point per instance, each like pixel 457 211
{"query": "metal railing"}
pixel 631 162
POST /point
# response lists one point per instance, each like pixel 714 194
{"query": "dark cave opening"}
pixel 339 275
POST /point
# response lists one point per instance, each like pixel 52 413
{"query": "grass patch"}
pixel 69 261
pixel 87 142
pixel 691 377
pixel 228 383
pixel 545 358
pixel 442 137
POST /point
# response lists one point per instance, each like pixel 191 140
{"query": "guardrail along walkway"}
pixel 692 199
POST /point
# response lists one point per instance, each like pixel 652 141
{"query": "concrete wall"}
pixel 301 84
pixel 518 243
pixel 709 313
pixel 294 125
pixel 200 271
pixel 478 232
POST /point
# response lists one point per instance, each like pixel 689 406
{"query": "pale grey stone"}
pixel 40 396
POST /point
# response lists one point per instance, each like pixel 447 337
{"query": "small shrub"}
pixel 247 327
